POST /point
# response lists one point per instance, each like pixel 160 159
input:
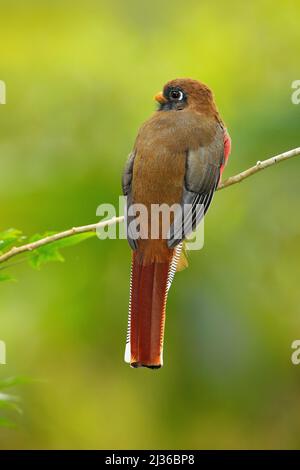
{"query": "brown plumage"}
pixel 177 159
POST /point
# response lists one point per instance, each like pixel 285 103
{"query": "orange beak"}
pixel 159 97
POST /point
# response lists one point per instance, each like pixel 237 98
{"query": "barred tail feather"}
pixel 149 285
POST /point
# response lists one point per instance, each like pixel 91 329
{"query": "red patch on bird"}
pixel 227 150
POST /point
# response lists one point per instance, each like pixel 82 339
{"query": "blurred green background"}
pixel 80 78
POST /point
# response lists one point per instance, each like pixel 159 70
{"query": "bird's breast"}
pixel 161 148
pixel 160 161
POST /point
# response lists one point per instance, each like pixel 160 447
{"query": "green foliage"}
pixel 80 79
pixel 43 254
pixel 9 403
pixel 10 382
pixel 5 277
pixel 9 238
pixel 51 252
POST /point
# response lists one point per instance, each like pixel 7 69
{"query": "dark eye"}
pixel 176 95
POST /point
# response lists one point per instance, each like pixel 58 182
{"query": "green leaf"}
pixel 10 238
pixel 51 251
pixel 6 277
pixel 74 240
pixel 10 402
pixel 42 255
pixel 13 381
pixel 7 423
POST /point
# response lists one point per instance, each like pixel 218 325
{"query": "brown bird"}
pixel 178 158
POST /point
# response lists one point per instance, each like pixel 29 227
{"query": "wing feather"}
pixel 203 170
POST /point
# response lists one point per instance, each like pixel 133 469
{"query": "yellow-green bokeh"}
pixel 80 78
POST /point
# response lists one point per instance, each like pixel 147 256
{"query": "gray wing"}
pixel 201 180
pixel 127 192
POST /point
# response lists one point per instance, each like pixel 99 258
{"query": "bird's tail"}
pixel 149 285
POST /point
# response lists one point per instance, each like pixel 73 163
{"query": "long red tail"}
pixel 147 311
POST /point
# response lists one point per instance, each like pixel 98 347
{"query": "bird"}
pixel 177 159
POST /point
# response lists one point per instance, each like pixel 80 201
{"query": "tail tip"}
pixel 136 365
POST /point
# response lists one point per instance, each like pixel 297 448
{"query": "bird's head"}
pixel 185 93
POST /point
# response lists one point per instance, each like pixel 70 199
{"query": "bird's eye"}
pixel 176 95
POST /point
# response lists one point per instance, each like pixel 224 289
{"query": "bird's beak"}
pixel 159 97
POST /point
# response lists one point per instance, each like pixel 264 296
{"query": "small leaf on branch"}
pixel 10 238
pixel 51 251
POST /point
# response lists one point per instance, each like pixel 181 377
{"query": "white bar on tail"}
pixel 127 356
pixel 174 264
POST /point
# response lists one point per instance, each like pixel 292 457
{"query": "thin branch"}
pixel 260 165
